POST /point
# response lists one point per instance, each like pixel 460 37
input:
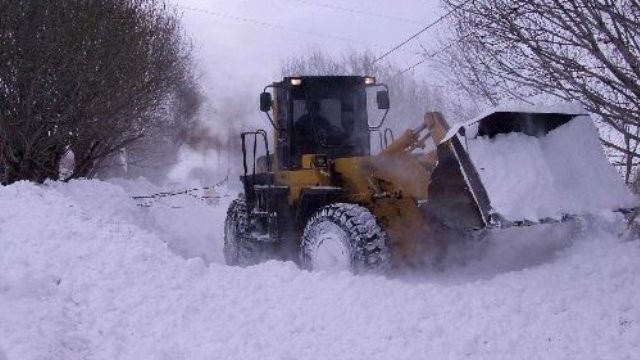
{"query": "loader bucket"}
pixel 522 168
pixel 532 124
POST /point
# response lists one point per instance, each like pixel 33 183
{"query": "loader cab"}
pixel 320 115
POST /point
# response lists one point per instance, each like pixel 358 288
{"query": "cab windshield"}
pixel 331 119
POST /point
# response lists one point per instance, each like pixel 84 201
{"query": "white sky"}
pixel 235 52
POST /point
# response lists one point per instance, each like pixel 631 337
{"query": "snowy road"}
pixel 85 274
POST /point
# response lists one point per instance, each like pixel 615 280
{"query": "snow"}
pixel 190 227
pixel 564 172
pixel 86 274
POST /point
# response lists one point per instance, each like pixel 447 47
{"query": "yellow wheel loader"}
pixel 317 195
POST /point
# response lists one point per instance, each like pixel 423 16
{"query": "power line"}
pixel 431 56
pixel 278 26
pixel 357 11
pixel 271 25
pixel 421 31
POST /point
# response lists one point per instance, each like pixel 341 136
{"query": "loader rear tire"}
pixel 344 237
pixel 238 248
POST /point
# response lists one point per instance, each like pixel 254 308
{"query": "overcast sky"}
pixel 245 41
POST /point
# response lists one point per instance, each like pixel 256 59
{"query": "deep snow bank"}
pixel 190 227
pixel 82 277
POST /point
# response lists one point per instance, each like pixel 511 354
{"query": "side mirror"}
pixel 382 98
pixel 265 101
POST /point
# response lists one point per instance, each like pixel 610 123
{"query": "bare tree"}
pixel 92 76
pixel 153 155
pixel 585 50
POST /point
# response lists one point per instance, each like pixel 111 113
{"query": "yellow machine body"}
pixel 390 184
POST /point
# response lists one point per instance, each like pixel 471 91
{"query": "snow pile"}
pixel 564 172
pixel 188 225
pixel 82 276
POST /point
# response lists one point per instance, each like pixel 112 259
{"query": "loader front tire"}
pixel 344 237
pixel 238 248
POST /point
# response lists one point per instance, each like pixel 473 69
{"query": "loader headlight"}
pixel 296 81
pixel 369 80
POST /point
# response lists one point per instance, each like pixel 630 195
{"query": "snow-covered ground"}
pixel 86 274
